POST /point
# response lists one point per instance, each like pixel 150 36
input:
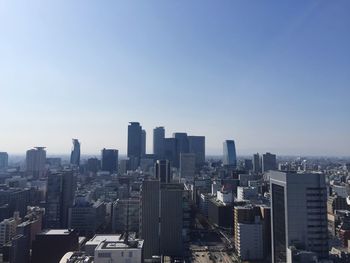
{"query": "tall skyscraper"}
pixel 149 217
pixel 187 165
pixel 75 154
pixel 170 150
pixel 268 162
pixel 162 171
pixel 61 189
pixel 3 161
pixel 197 146
pixel 230 158
pixel 182 146
pixel 135 141
pixel 158 142
pixel 143 143
pixel 109 160
pixel 256 163
pixel 298 214
pixel 35 161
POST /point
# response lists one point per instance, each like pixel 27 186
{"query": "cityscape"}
pixel 173 205
pixel 187 131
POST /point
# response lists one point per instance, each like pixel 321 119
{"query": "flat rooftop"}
pixel 56 232
pixel 97 239
pixel 110 245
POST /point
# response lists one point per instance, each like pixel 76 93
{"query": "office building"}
pixel 256 163
pixel 149 217
pixel 15 199
pixel 86 218
pixel 134 141
pixel 182 146
pixel 170 150
pixel 93 165
pixel 61 189
pixel 220 212
pixel 158 142
pixel 8 229
pixel 269 162
pixel 75 154
pixel 143 143
pixel 35 162
pixel 303 198
pixel 230 158
pixel 130 251
pixel 51 245
pixel 109 160
pixel 4 159
pixel 163 171
pixel 187 166
pixel 126 215
pixel 16 250
pixel 197 146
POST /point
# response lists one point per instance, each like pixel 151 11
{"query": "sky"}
pixel 272 75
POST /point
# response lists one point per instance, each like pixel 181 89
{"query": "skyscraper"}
pixel 61 189
pixel 75 155
pixel 256 163
pixel 143 143
pixel 268 162
pixel 187 165
pixel 170 150
pixel 3 161
pixel 182 146
pixel 134 141
pixel 197 146
pixel 230 158
pixel 298 214
pixel 35 161
pixel 162 171
pixel 158 142
pixel 109 160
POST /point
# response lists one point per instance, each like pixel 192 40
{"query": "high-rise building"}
pixel 15 199
pixel 75 154
pixel 134 140
pixel 149 217
pixel 187 165
pixel 109 160
pixel 182 146
pixel 143 143
pixel 158 142
pixel 61 189
pixel 298 214
pixel 4 158
pixel 197 146
pixel 162 171
pixel 230 158
pixel 126 215
pixel 170 150
pixel 268 162
pixel 35 162
pixel 256 163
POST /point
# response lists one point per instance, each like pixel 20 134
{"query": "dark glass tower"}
pixel 135 141
pixel 158 142
pixel 75 154
pixel 109 160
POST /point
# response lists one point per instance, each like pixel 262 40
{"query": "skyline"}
pixel 272 76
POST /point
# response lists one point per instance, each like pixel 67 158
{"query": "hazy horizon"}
pixel 274 76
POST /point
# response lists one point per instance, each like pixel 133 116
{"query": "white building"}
pixel 224 197
pixel 246 193
pixel 249 241
pixel 120 251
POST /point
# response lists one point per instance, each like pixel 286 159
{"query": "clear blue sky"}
pixel 273 75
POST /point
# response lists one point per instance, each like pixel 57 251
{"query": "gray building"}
pixel 109 160
pixel 229 152
pixel 143 143
pixel 149 217
pixel 61 189
pixel 162 171
pixel 134 141
pixel 35 162
pixel 4 159
pixel 182 146
pixel 268 162
pixel 256 163
pixel 298 214
pixel 187 165
pixel 86 218
pixel 197 146
pixel 170 150
pixel 126 215
pixel 75 154
pixel 158 142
